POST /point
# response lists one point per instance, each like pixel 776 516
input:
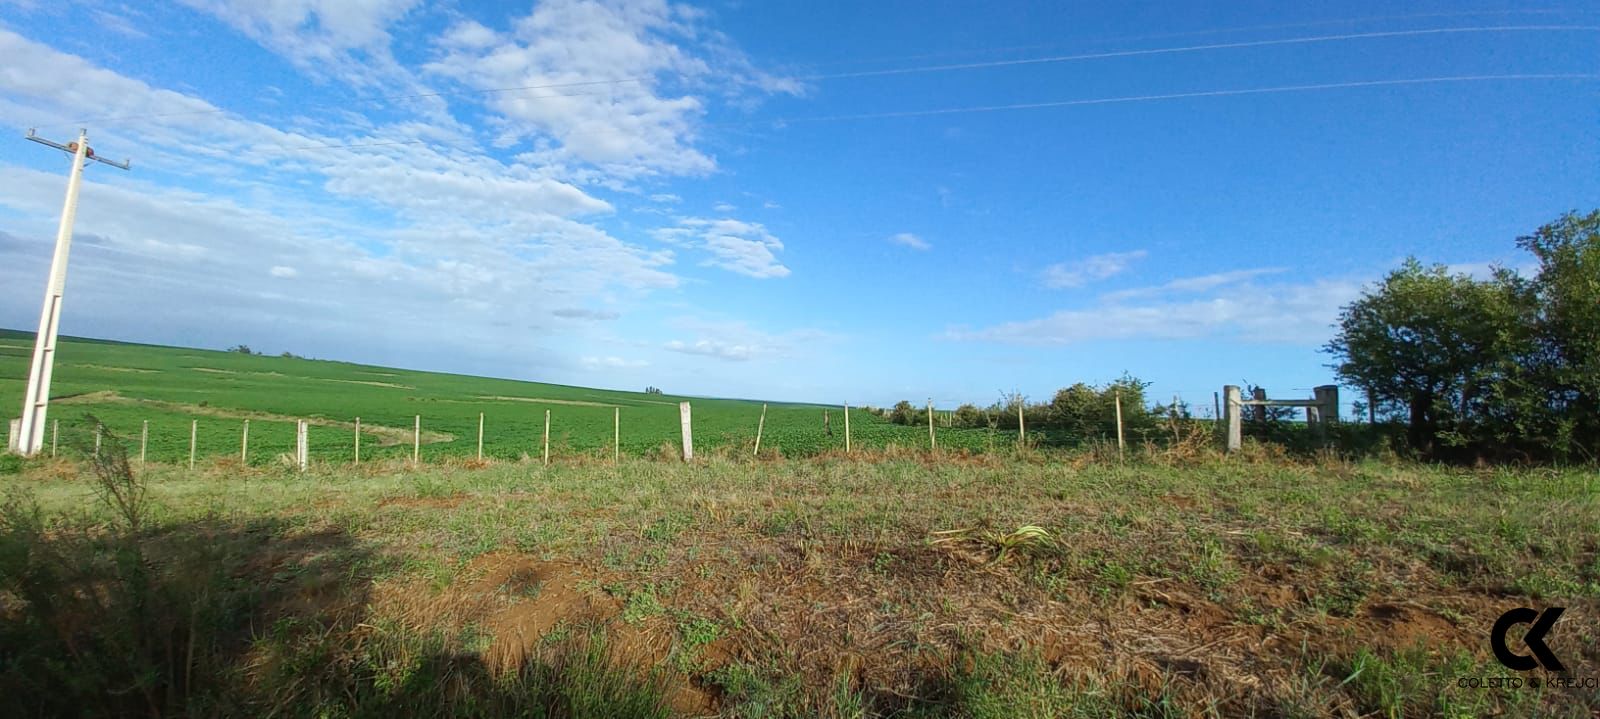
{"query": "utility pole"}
pixel 30 436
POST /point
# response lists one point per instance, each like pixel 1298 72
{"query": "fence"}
pixel 1321 409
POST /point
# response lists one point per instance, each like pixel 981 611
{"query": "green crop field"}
pixel 125 385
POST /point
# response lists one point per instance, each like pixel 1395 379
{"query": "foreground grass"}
pixel 906 586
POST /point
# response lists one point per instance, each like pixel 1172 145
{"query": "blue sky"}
pixel 821 201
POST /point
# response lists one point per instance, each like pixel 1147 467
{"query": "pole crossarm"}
pixel 71 150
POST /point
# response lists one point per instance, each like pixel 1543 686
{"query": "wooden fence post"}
pixel 1233 416
pixel 358 440
pixel 144 438
pixel 97 430
pixel 416 440
pixel 1118 398
pixel 480 433
pixel 688 435
pixel 762 423
pixel 194 433
pixel 932 443
pixel 1260 395
pixel 847 428
pixel 55 429
pixel 616 435
pixel 244 444
pixel 302 440
pixel 547 438
pixel 1216 406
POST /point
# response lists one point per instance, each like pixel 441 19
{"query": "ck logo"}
pixel 1534 639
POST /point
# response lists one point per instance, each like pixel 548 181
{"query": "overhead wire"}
pixel 780 122
pixel 1195 48
pixel 899 71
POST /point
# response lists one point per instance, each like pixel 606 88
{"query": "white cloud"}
pixel 714 348
pixel 906 239
pixel 608 85
pixel 610 362
pixel 346 38
pixel 666 198
pixel 282 271
pixel 723 207
pixel 582 313
pixel 1098 267
pixel 746 248
pixel 1285 313
pixel 435 234
pixel 1200 283
pixel 737 341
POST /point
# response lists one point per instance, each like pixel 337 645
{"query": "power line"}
pixel 1205 93
pixel 1197 48
pixel 1220 31
pixel 916 69
pixel 1060 103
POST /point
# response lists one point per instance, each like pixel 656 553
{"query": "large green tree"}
pixel 1560 374
pixel 1506 365
pixel 1426 339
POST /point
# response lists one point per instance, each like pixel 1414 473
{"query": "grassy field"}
pixel 902 584
pixel 126 384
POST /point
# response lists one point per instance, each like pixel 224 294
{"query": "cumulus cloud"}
pixel 1064 275
pixel 439 235
pixel 906 239
pixel 282 271
pixel 608 85
pixel 348 39
pixel 746 248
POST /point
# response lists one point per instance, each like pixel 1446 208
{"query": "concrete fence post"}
pixel 302 441
pixel 244 443
pixel 688 433
pixel 760 425
pixel 194 434
pixel 1231 412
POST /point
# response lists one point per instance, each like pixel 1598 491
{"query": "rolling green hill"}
pixel 125 385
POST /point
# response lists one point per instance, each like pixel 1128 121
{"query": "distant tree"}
pixel 241 349
pixel 903 413
pixel 653 390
